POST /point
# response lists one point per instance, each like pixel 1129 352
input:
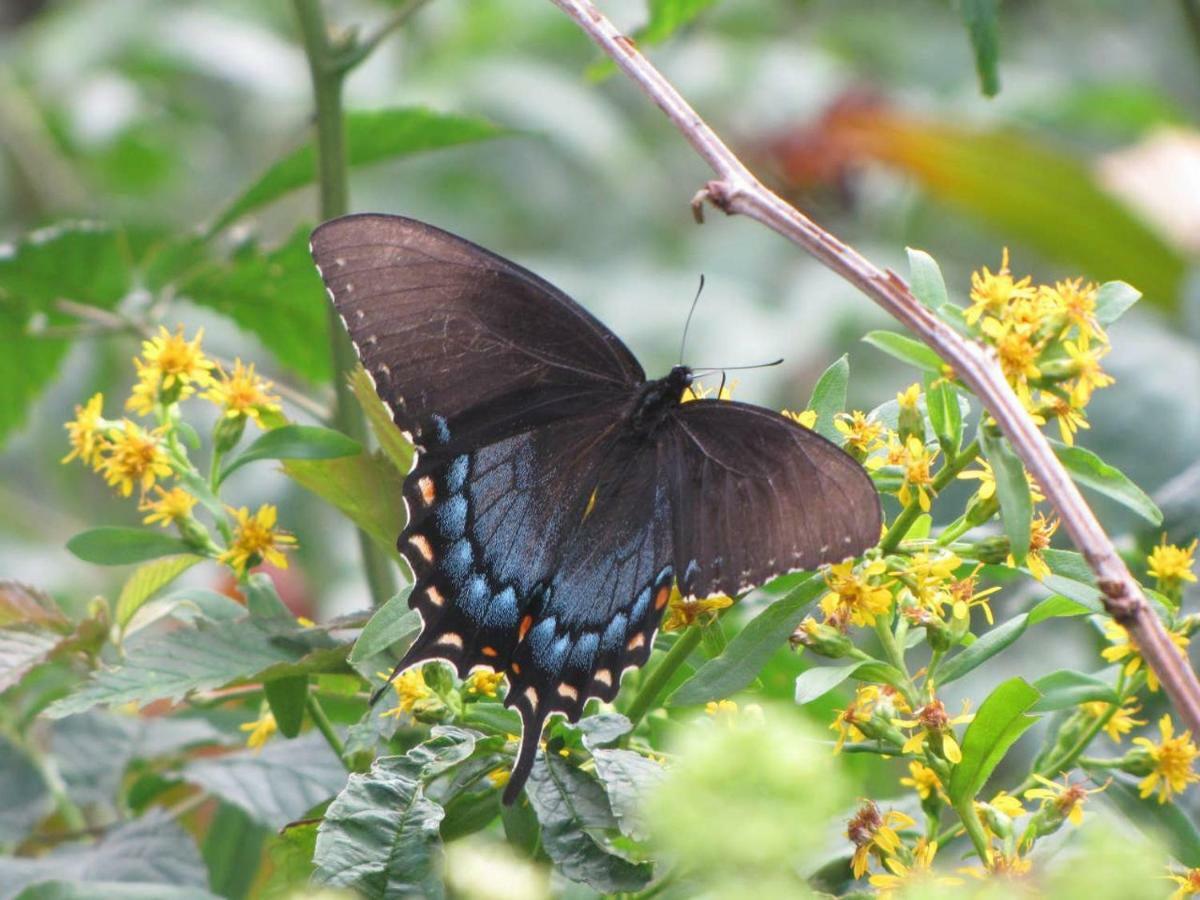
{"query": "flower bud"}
pixel 228 432
pixel 992 550
pixel 824 640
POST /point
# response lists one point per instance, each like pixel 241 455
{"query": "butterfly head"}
pixel 657 398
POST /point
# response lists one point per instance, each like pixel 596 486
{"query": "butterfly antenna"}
pixel 379 691
pixel 710 370
pixel 688 323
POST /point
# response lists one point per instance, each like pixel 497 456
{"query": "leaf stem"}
pixel 657 679
pixel 970 819
pixel 317 712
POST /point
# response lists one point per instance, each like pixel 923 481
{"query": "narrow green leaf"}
pixel 941 402
pixel 1012 490
pixel 999 721
pixel 371 136
pixel 925 279
pixel 1067 688
pixel 295 442
pixel 982 20
pixel 112 546
pixel 818 681
pixel 391 625
pixel 1156 820
pixel 395 446
pixel 1003 635
pixel 906 350
pixel 148 580
pixel 749 649
pixel 232 844
pixel 287 698
pixel 1113 300
pixel 1091 471
pixel 1057 607
pixel 829 397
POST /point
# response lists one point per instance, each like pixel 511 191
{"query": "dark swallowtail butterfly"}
pixel 557 494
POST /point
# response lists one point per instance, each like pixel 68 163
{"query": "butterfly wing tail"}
pixel 531 736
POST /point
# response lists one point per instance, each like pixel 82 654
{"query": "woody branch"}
pixel 736 191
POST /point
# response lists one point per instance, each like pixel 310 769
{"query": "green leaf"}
pixel 576 820
pixel 1000 720
pixel 829 398
pixel 208 656
pixel 1003 635
pixel 84 262
pixel 814 683
pixel 982 20
pixel 287 698
pixel 1012 490
pixel 668 16
pixel 1091 471
pixel 627 778
pixel 392 441
pixel 231 849
pixel 906 350
pixel 148 580
pixel 1056 607
pixel 749 649
pixel 380 835
pixel 371 136
pixel 521 827
pixel 1067 688
pixel 1156 820
pixel 1113 300
pixel 263 601
pixel 392 624
pixel 925 279
pixel 112 546
pixel 296 442
pixel 941 402
pixel 274 294
pixel 274 785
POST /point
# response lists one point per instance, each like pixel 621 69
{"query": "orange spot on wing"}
pixel 663 595
pixel 524 629
pixel 490 651
pixel 638 640
pixel 428 491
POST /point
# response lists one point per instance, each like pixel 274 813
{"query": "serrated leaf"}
pixel 1012 490
pixel 925 279
pixel 627 778
pixel 395 446
pixel 23 604
pixel 1091 471
pixel 390 625
pixel 112 546
pixel 829 397
pixel 1000 720
pixel 371 136
pixel 575 815
pixel 148 580
pixel 380 835
pixel 749 649
pixel 1066 689
pixel 981 18
pixel 295 442
pixel 1113 300
pixel 906 350
pixel 275 785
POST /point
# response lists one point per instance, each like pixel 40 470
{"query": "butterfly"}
pixel 557 494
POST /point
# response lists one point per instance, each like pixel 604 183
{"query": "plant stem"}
pixel 909 514
pixel 656 680
pixel 970 819
pixel 317 713
pixel 327 81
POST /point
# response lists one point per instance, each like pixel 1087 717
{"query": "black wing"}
pixel 755 495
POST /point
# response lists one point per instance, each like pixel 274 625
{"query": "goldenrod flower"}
pixel 918 872
pixel 1188 883
pixel 807 418
pixel 171 506
pixel 144 395
pixel 917 461
pixel 1017 349
pixel 1121 722
pixel 987 482
pixel 1123 648
pixel 1008 866
pixel 724 711
pixel 1070 419
pixel 255 537
pixel 860 434
pixel 683 611
pixel 499 777
pixel 135 456
pixel 243 393
pixel 1007 804
pixel 484 683
pixel 1089 375
pixel 871 831
pixel 175 360
pixel 923 780
pixel 410 688
pixel 260 730
pixel 927 576
pixel 1041 530
pixel 1067 798
pixel 933 719
pixel 854 597
pixel 1076 301
pixel 1173 758
pixel 1170 566
pixel 86 433
pixel 697 391
pixel 993 293
pixel 965 597
pixel 909 397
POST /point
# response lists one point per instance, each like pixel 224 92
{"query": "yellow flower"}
pixel 175 360
pixel 724 711
pixel 807 418
pixel 1173 758
pixel 144 395
pixel 1123 648
pixel 910 396
pixel 1189 883
pixel 260 731
pixel 869 700
pixel 499 777
pixel 933 719
pixel 1066 797
pixel 927 576
pixel 255 537
pixel 860 434
pixel 1076 301
pixel 1007 804
pixel 871 831
pixel 993 293
pixel 484 683
pixel 1017 349
pixel 853 597
pixel 923 780
pixel 243 393
pixel 410 690
pixel 918 479
pixel 86 433
pixel 697 391
pixel 1008 866
pixel 136 457
pixel 1121 722
pixel 919 872
pixel 171 506
pixel 305 622
pixel 1041 531
pixel 1171 565
pixel 683 611
pixel 987 482
pixel 1089 375
pixel 965 597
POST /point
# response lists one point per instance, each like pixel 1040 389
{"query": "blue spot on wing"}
pixel 614 635
pixel 502 611
pixel 458 560
pixel 584 655
pixel 475 596
pixel 456 474
pixel 639 608
pixel 452 517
